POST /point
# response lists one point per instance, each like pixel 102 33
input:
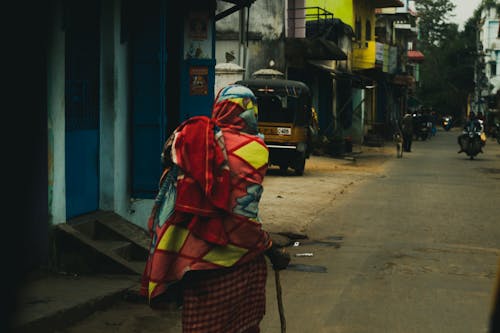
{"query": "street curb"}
pixel 63 318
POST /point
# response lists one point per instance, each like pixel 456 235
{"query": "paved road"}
pixel 411 247
pixel 419 250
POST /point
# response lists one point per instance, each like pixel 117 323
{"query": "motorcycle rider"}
pixel 474 124
pixel 480 120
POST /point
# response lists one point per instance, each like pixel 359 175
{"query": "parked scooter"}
pixel 470 140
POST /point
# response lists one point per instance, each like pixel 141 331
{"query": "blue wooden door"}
pixel 82 107
pixel 149 57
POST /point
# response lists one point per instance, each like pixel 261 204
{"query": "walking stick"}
pixel 280 301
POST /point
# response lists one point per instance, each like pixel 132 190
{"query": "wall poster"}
pixel 198 36
pixel 198 26
pixel 198 80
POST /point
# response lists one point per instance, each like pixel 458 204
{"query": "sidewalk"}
pixel 51 301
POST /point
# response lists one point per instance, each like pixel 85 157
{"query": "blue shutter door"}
pixel 148 96
pixel 82 108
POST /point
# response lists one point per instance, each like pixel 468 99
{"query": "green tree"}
pixel 447 75
pixel 433 21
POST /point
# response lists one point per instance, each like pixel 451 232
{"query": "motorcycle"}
pixel 446 123
pixel 422 129
pixel 470 141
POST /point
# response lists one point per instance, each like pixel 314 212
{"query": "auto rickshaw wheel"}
pixel 283 168
pixel 300 165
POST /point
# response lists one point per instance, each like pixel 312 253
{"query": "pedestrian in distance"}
pixel 407 131
pixel 206 236
pixel 397 138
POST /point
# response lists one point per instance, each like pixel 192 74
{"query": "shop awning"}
pixel 357 80
pixel 415 56
pixel 387 3
pixel 332 48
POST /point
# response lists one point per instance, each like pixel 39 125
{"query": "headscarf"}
pixel 236 107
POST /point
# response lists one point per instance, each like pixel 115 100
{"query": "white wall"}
pixel 225 74
pixel 56 123
pixel 115 133
pixel 122 129
pixel 107 158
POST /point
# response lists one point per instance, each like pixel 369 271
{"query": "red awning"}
pixel 415 56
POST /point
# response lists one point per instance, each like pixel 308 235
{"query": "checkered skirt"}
pixel 225 301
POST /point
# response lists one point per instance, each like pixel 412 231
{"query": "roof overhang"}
pixel 403 80
pixel 387 3
pixel 415 56
pixel 357 80
pixel 238 4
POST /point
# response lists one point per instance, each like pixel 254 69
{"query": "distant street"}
pixel 419 250
pixel 410 246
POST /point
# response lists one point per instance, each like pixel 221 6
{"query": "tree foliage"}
pixel 433 20
pixel 447 74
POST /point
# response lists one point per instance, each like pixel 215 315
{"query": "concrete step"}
pixel 111 236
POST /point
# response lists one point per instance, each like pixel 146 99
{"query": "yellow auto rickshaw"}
pixel 286 120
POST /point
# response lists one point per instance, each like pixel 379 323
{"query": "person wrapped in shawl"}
pixel 205 225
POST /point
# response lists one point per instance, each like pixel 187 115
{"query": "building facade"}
pixel 487 72
pixel 121 76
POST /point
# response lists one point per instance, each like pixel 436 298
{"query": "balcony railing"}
pixel 298 16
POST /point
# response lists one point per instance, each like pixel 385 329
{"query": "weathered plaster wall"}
pixel 55 105
pixel 115 150
pixel 122 129
pixel 261 52
pixel 114 128
pixel 107 158
pixel 266 28
pixel 266 18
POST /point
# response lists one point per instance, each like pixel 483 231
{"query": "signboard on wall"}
pixel 198 80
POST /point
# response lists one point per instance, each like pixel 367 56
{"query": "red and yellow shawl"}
pixel 220 164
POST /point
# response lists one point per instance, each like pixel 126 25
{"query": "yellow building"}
pixel 360 15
